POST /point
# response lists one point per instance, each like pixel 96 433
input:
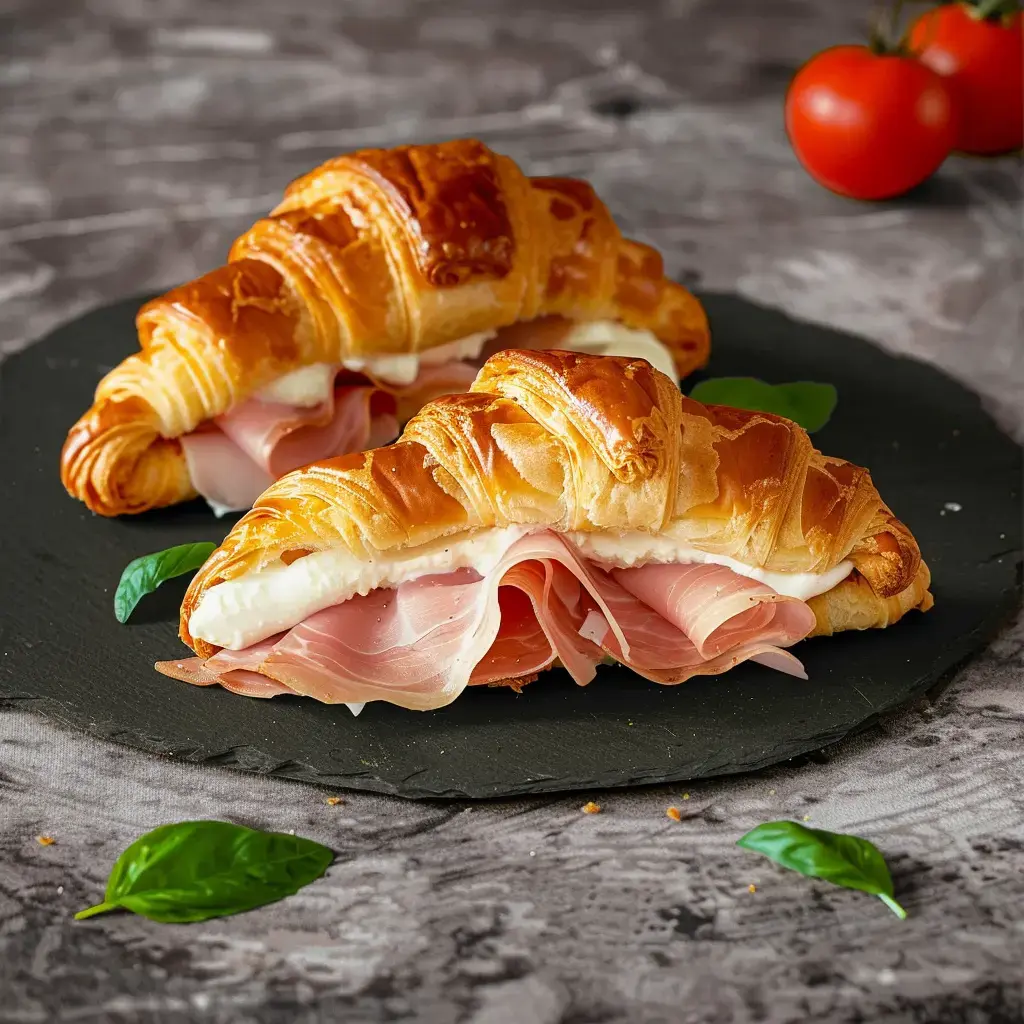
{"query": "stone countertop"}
pixel 139 138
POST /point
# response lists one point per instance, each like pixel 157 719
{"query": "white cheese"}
pixel 404 368
pixel 609 338
pixel 240 612
pixel 465 348
pixel 304 387
pixel 243 611
pixel 400 369
pixel 611 549
pixel 310 385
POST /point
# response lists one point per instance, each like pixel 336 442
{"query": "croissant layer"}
pixel 576 442
pixel 376 253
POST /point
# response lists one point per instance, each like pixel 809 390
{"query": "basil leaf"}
pixel 195 870
pixel 803 402
pixel 844 860
pixel 143 575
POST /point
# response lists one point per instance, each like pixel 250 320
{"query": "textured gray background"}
pixel 136 140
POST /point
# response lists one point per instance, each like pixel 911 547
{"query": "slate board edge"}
pixel 250 759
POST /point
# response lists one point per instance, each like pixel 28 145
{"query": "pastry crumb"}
pixel 807 817
pixel 45 840
pixel 751 887
pixel 333 801
pixel 953 506
pixel 673 813
pixel 591 808
pixel 686 796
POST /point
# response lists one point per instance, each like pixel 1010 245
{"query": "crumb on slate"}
pixel 673 813
pixel 686 796
pixel 333 801
pixel 45 840
pixel 807 817
pixel 591 808
pixel 751 887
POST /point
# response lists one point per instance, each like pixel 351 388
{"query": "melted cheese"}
pixel 243 611
pixel 611 549
pixel 310 385
pixel 404 368
pixel 305 387
pixel 610 338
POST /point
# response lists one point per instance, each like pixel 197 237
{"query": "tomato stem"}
pixel 992 10
pixel 885 35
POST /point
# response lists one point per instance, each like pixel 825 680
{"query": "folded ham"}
pixel 421 643
pixel 233 459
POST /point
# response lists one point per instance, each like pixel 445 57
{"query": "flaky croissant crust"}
pixel 577 443
pixel 374 253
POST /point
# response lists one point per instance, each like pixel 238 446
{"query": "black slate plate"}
pixel 925 438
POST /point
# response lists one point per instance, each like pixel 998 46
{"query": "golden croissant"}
pixel 570 509
pixel 379 282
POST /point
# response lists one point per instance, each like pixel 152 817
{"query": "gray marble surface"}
pixel 137 138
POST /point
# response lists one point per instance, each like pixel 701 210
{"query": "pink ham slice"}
pixel 237 680
pixel 715 607
pixel 418 645
pixel 661 651
pixel 281 438
pixel 235 459
pixel 221 472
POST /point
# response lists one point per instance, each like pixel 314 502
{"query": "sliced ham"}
pixel 660 650
pixel 420 644
pixel 281 438
pixel 236 457
pixel 240 681
pixel 715 607
pixel 233 460
pixel 221 472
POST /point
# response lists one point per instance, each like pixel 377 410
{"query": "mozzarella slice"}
pixel 304 387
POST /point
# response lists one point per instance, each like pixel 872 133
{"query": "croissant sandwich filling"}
pixel 496 606
pixel 323 410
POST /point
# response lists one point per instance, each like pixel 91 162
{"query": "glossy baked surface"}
pixel 373 253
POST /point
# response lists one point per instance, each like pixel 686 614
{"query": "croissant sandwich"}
pixel 569 509
pixel 381 281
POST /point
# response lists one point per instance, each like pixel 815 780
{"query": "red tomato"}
pixel 984 61
pixel 869 125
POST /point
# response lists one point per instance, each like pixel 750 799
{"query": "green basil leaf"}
pixel 195 870
pixel 803 402
pixel 143 575
pixel 841 859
